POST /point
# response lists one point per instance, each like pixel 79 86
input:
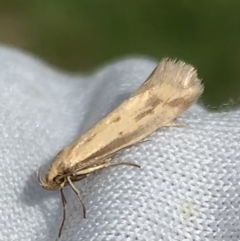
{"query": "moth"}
pixel 171 89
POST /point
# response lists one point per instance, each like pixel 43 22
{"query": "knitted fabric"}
pixel 188 186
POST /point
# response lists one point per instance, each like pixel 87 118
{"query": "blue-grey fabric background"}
pixel 188 187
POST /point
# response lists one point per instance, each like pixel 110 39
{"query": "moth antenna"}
pixel 39 176
pixel 64 202
pixel 78 194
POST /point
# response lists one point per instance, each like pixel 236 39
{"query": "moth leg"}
pixel 171 124
pixel 64 202
pixel 122 163
pixel 175 124
pixel 77 192
pixel 104 165
pixel 88 170
pixel 142 141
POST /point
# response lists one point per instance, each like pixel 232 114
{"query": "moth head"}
pixel 51 182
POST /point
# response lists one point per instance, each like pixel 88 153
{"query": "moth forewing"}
pixel 169 90
pixel 161 99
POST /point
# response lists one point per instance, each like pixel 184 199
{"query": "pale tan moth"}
pixel 170 90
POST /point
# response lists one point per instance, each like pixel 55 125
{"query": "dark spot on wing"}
pixel 116 119
pixel 178 102
pixel 143 114
pixel 154 102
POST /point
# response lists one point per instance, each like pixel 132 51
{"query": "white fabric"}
pixel 188 187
